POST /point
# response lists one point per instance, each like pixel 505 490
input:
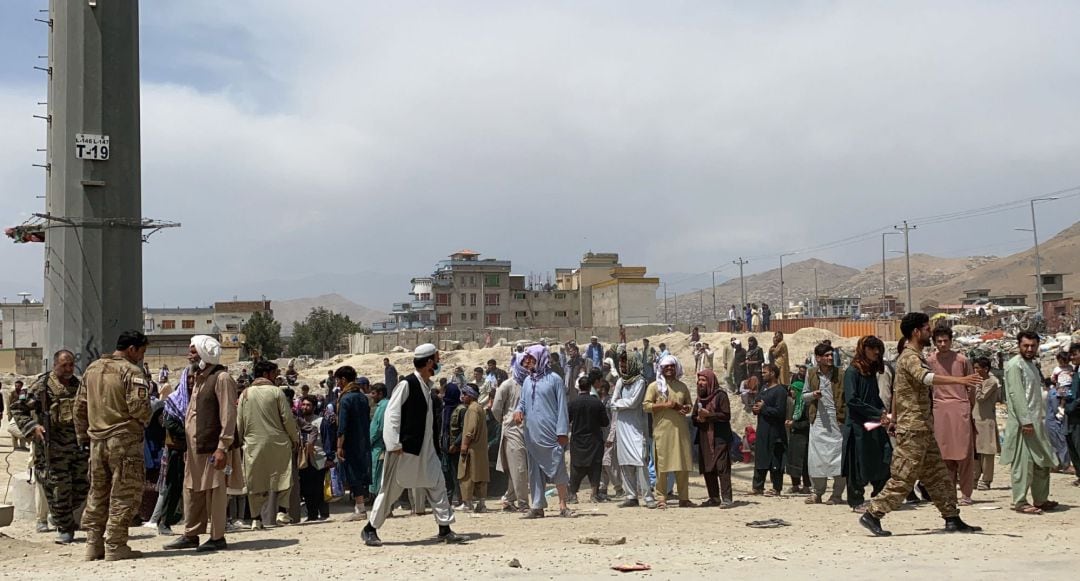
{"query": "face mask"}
pixel 437 367
pixel 202 365
pixel 22 396
pixel 593 392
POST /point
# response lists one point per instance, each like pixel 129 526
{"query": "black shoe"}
pixel 629 503
pixel 534 513
pixel 451 538
pixel 873 524
pixel 370 536
pixel 183 542
pixel 212 545
pixel 953 524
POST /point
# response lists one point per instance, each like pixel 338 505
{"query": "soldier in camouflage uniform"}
pixel 47 416
pixel 112 411
pixel 916 455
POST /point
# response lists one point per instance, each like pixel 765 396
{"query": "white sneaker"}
pixel 283 519
pixel 257 525
pixel 149 525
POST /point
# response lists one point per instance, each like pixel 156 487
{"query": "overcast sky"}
pixel 296 140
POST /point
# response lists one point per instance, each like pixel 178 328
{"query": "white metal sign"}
pixel 90 146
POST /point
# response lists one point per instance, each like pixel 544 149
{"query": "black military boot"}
pixel 953 524
pixel 448 536
pixel 873 524
pixel 370 536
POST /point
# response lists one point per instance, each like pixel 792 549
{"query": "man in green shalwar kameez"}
pixel 1027 447
pixel 378 447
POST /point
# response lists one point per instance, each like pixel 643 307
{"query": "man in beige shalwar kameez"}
pixel 268 429
pixel 210 428
pixel 669 401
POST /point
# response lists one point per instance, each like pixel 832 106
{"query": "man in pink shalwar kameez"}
pixel 953 424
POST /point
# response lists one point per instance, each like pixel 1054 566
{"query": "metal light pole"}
pixel 1038 260
pixel 883 282
pixel 742 281
pixel 714 295
pixel 783 304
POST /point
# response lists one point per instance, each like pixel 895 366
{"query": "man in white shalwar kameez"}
pixel 411 462
pixel 631 426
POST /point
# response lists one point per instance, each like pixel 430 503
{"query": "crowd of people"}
pixel 215 453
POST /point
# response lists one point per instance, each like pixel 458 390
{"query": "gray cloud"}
pixel 375 137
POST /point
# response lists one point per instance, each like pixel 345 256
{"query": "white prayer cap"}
pixel 425 350
pixel 208 348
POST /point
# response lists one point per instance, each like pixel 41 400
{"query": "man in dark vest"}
pixel 411 463
pixel 210 428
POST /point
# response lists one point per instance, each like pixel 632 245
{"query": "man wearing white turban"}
pixel 210 427
pixel 668 400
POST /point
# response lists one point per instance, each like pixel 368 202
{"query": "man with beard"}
pixel 755 357
pixel 631 425
pixel 46 417
pixel 867 453
pixel 770 407
pixel 1027 447
pixel 353 439
pixel 210 428
pixel 824 397
pixel 738 364
pixel 410 437
pixel 712 416
pixel 668 401
pixel 916 455
pixel 953 425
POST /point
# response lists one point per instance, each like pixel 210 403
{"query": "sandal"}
pixel 1028 509
pixel 660 504
pixel 1047 506
pixel 965 502
pixel 771 493
pixel 833 502
pixel 813 500
pixel 711 502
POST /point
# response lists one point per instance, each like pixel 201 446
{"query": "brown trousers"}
pixel 472 490
pixel 962 473
pixel 201 506
pixel 984 468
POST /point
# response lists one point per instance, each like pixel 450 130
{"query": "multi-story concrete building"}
pixel 171 329
pixel 22 325
pixel 833 307
pixel 469 293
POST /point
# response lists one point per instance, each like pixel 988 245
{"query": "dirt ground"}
pixel 822 541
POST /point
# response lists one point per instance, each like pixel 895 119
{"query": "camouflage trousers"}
pixel 63 477
pixel 917 457
pixel 117 473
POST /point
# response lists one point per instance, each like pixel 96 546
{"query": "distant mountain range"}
pixel 292 310
pixel 933 278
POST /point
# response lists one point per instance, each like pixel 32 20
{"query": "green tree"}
pixel 262 334
pixel 323 331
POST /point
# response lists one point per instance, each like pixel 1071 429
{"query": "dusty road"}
pixel 822 541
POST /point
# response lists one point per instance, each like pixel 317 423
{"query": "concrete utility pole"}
pixel 742 281
pixel 714 296
pixel 93 266
pixel 907 261
pixel 883 283
pixel 667 321
pixel 817 296
pixel 783 305
pixel 1038 260
pixel 700 308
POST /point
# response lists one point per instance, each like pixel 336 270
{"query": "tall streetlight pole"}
pixel 1038 260
pixel 907 260
pixel 714 296
pixel 742 281
pixel 883 282
pixel 783 304
pixel 667 320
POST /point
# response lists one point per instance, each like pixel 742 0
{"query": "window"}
pixel 519 296
pixel 536 313
pixel 472 299
pixel 493 319
pixel 472 316
pixel 491 299
pixel 424 297
pixel 576 313
pixel 168 324
pixel 521 314
pixel 560 295
pixel 1048 279
pixel 187 324
pixel 464 317
pixel 442 299
pixel 209 322
pixel 536 295
pixel 443 320
pixel 463 299
pixel 491 280
pixel 560 313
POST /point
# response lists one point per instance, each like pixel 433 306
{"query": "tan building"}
pixel 628 297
